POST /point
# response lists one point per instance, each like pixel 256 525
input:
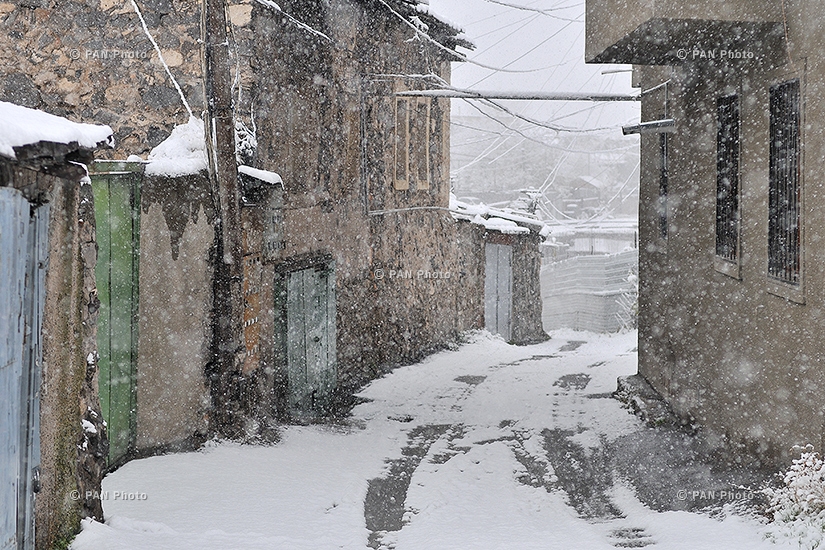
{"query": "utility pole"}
pixel 228 346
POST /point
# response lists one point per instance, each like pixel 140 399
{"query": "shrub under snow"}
pixel 798 508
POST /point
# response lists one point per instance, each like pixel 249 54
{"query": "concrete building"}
pixel 731 255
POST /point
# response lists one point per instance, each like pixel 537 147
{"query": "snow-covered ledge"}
pixel 24 127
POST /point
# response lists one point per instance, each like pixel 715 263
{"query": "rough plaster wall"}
pixel 176 236
pixel 734 353
pixel 66 394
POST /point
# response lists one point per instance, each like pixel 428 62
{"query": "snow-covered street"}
pixel 487 446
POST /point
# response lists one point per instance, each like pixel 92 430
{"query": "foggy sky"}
pixel 550 47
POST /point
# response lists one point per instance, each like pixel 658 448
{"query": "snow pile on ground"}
pixel 798 508
pixel 22 126
pixel 490 446
pixel 182 153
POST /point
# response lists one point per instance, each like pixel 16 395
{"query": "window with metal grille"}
pixel 663 176
pixel 784 246
pixel 727 178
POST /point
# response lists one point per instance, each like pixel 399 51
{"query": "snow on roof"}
pixel 182 153
pixel 264 175
pixel 595 182
pixel 21 126
pixel 423 6
pixel 501 225
pixel 505 221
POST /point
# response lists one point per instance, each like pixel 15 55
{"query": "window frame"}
pixel 786 280
pixel 664 179
pixel 728 219
pixel 411 141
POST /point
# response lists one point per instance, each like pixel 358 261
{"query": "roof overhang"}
pixel 666 41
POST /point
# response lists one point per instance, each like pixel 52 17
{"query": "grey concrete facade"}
pixel 729 345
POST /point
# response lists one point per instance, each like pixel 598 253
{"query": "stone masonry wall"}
pixel 91 61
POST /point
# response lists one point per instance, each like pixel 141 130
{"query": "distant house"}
pixel 731 243
pixel 52 435
pixel 581 198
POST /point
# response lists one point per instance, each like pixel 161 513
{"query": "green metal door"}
pixel 116 187
pixel 310 342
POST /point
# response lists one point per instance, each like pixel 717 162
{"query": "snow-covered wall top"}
pixel 21 126
pixel 505 221
pixel 264 175
pixel 181 154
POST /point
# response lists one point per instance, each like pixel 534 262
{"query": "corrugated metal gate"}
pixel 498 289
pixel 23 259
pixel 116 187
pixel 310 347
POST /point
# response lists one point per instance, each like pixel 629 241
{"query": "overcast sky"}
pixel 548 48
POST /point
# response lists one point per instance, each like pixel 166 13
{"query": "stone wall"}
pixel 325 113
pixel 91 60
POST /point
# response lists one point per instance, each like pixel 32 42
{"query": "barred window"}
pixel 727 178
pixel 784 246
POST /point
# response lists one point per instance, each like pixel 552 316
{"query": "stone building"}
pixel 353 262
pixel 731 265
pixel 52 435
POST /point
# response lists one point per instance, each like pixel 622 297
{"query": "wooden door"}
pixel 498 289
pixel 310 341
pixel 117 211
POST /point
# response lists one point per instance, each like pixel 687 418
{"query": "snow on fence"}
pixel 595 293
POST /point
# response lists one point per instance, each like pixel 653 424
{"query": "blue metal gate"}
pixel 23 256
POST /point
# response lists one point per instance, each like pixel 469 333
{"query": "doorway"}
pixel 308 349
pixel 24 252
pixel 498 289
pixel 116 187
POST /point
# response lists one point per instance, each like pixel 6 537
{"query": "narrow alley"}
pixel 485 446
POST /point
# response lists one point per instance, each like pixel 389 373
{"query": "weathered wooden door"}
pixel 498 289
pixel 23 259
pixel 117 212
pixel 310 342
